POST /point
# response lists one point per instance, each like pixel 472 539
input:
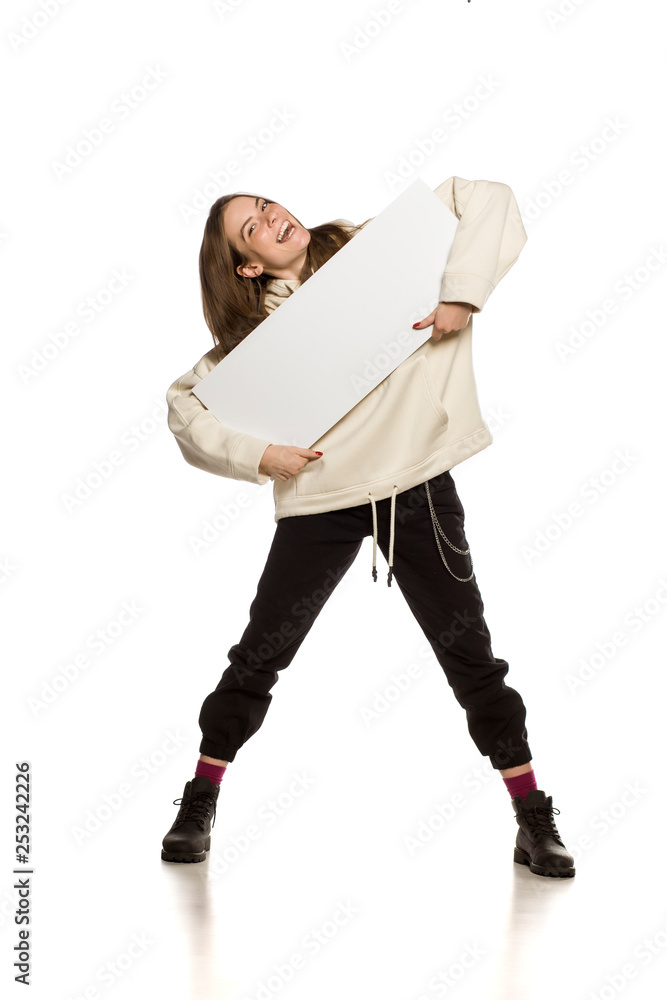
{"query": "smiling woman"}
pixel 382 471
pixel 244 238
pixel 264 235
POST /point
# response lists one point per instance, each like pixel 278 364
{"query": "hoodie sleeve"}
pixel 205 442
pixel 489 238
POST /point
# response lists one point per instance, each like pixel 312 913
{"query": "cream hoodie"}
pixel 421 420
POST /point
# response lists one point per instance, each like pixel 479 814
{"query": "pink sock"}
pixel 521 784
pixel 211 771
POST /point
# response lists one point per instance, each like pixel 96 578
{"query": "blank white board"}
pixel 340 333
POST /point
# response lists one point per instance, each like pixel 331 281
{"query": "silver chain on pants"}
pixel 436 529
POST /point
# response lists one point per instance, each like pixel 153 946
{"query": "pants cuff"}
pixel 216 750
pixel 503 760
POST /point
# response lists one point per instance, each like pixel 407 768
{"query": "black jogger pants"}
pixel 309 555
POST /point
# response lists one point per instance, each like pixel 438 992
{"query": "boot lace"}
pixel 196 808
pixel 541 820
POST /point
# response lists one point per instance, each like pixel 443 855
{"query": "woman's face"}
pixel 256 228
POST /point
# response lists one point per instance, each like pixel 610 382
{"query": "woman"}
pixel 384 465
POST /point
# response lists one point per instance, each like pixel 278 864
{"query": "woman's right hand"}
pixel 284 461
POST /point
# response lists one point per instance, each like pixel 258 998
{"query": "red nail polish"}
pixel 319 452
pixel 415 324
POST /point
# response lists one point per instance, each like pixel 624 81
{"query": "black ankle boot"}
pixel 190 836
pixel 538 844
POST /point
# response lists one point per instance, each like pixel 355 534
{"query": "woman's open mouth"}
pixel 286 231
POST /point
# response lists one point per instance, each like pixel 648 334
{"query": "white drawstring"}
pixel 392 517
pixel 391 536
pixel 375 535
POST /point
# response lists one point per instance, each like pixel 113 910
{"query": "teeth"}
pixel 283 231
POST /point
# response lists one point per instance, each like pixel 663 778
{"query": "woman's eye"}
pixel 253 225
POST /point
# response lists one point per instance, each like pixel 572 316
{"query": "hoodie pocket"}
pixel 398 425
pixel 436 402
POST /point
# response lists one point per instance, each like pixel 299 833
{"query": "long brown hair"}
pixel 234 305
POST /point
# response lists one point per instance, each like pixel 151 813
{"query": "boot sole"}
pixel 184 857
pixel 522 858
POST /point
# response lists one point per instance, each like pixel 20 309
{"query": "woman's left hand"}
pixel 446 318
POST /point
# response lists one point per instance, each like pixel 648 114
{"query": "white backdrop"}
pixel 117 623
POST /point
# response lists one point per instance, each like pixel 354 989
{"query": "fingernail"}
pixel 319 452
pixel 415 324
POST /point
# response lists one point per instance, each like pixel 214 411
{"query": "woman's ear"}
pixel 249 270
